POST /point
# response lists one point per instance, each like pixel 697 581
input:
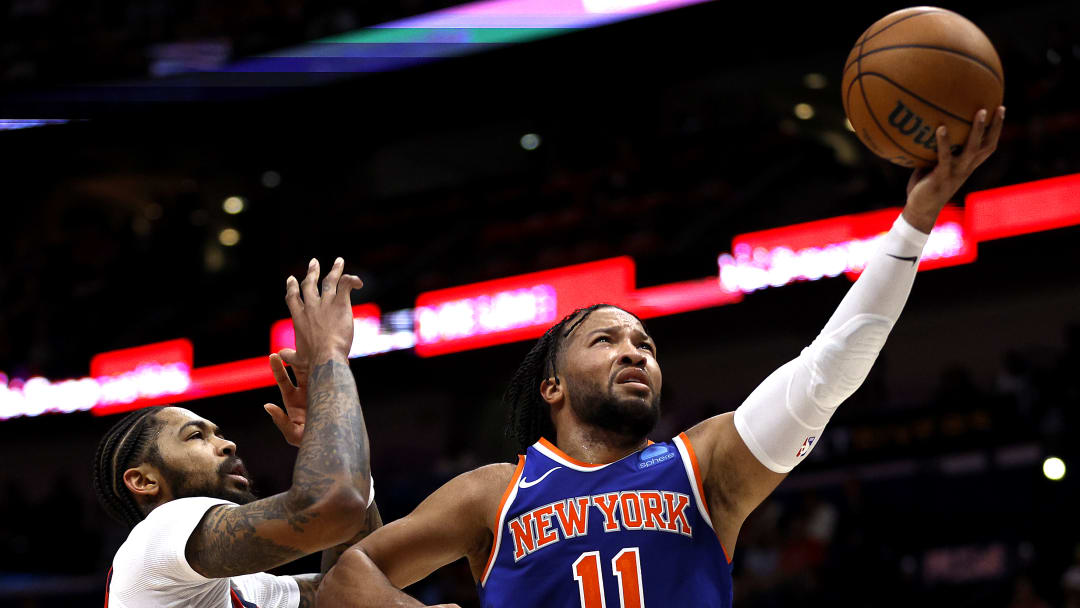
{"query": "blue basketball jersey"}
pixel 633 533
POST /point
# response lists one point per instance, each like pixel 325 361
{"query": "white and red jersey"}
pixel 151 569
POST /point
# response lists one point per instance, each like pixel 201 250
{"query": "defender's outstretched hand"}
pixel 291 416
pixel 323 321
pixel 930 188
pixel 324 327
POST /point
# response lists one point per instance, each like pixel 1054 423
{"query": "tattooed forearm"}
pixel 325 503
pixel 227 541
pixel 309 584
pixel 372 521
pixel 335 446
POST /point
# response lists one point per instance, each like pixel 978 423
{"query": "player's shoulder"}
pixel 190 504
pixel 488 477
pixel 707 432
pixel 709 438
pixel 177 512
pixel 479 491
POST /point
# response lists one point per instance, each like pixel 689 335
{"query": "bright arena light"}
pixel 233 205
pixel 804 111
pixel 229 237
pixel 1054 468
pixel 37 395
pixel 530 141
pixel 749 269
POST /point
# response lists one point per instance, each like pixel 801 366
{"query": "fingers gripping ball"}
pixel 916 69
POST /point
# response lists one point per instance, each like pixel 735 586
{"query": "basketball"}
pixel 916 69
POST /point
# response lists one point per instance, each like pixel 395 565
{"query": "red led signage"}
pixel 515 308
pixel 522 307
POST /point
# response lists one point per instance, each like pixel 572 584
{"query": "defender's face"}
pixel 613 378
pixel 198 460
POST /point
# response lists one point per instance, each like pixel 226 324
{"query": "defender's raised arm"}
pixel 326 503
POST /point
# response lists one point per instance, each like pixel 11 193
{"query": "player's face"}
pixel 613 379
pixel 198 461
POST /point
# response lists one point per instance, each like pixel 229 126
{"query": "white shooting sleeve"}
pixel 781 421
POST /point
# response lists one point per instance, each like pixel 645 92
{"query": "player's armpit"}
pixel 734 480
pixel 454 522
pixel 258 536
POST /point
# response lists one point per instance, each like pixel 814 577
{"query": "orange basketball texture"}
pixel 916 69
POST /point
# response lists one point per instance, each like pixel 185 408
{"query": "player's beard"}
pixel 630 417
pixel 186 485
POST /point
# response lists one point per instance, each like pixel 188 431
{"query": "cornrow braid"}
pixel 129 442
pixel 528 415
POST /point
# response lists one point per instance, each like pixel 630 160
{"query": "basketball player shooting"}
pixel 595 515
pixel 199 537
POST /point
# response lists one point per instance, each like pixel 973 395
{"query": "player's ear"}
pixel 551 390
pixel 144 481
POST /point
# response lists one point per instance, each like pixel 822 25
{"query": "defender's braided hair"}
pixel 528 416
pixel 128 443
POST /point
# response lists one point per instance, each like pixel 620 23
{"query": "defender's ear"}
pixel 144 481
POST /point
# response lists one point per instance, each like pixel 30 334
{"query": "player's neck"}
pixel 597 446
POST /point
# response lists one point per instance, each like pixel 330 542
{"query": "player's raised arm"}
pixel 326 502
pixel 746 454
pixel 454 522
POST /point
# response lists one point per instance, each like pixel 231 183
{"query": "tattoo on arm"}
pixel 373 521
pixel 266 533
pixel 309 584
pixel 335 445
pixel 227 541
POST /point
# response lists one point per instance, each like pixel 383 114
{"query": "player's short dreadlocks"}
pixel 529 416
pixel 130 442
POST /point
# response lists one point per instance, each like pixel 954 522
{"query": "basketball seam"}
pixel 904 89
pixel 933 48
pixel 900 20
pixel 882 129
pixel 866 103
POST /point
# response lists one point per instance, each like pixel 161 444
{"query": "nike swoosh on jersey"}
pixel 528 484
pixel 911 259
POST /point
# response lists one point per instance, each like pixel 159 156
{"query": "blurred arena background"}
pixel 178 190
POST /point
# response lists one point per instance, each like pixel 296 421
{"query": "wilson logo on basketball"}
pixel 912 126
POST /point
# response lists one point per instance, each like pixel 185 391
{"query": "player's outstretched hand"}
pixel 930 188
pixel 323 320
pixel 291 416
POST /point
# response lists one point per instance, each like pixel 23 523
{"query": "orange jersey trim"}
pixel 108 582
pixel 697 471
pixel 561 454
pixel 497 529
pixel 701 487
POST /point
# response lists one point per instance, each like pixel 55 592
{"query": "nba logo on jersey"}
pixel 806 445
